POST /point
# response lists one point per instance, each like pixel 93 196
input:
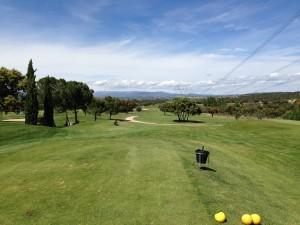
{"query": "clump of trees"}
pixel 63 96
pixel 164 107
pixel 293 114
pixel 115 105
pixel 110 105
pixel 127 105
pixel 183 108
pixel 97 107
pixel 213 105
pixel 253 105
pixel 12 85
pixel 234 110
pixel 260 106
pixel 23 93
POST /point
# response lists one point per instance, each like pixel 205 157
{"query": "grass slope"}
pixel 97 173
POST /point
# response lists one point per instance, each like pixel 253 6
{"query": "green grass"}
pixel 98 173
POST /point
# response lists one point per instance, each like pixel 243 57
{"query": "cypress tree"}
pixel 31 101
pixel 48 104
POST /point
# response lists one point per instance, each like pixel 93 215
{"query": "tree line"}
pixel 183 108
pixel 23 93
pixel 236 107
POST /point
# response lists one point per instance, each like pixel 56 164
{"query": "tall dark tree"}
pixel 31 101
pixel 48 103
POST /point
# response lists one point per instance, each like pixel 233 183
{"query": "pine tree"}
pixel 48 104
pixel 31 101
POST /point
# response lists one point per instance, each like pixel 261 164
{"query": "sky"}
pixel 168 45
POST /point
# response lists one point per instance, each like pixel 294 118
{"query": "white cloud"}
pixel 86 10
pixel 297 74
pixel 232 50
pixel 274 74
pixel 170 85
pixel 230 15
pixel 139 65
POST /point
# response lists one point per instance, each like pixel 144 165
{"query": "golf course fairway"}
pixel 137 173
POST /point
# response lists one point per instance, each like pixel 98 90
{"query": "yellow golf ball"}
pixel 256 219
pixel 220 217
pixel 246 219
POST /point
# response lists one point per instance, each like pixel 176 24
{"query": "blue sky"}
pixel 178 46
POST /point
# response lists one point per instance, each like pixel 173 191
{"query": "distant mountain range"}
pixel 142 94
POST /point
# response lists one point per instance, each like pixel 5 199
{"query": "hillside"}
pixel 166 95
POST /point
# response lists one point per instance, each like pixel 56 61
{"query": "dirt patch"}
pixel 14 120
pixel 132 119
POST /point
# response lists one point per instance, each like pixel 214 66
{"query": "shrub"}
pixel 292 114
pixel 139 109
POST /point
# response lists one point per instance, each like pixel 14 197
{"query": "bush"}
pixel 293 114
pixel 139 109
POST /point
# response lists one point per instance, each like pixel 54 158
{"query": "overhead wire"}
pixel 279 30
pixel 267 80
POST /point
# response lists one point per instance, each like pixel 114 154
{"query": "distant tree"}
pixel 48 103
pixel 212 110
pixel 147 102
pixel 127 105
pixel 9 103
pixel 210 101
pixel 292 114
pixel 237 111
pixel 11 87
pixel 31 101
pixel 234 110
pixel 139 109
pixel 79 96
pixel 214 105
pixel 183 108
pixel 112 106
pixel 97 107
pixel 61 99
pixel 237 114
pixel 259 114
pixel 230 109
pixel 249 109
pixel 165 107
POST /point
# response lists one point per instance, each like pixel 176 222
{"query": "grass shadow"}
pixel 188 121
pixel 207 168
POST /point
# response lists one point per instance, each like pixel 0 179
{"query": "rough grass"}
pixel 98 173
